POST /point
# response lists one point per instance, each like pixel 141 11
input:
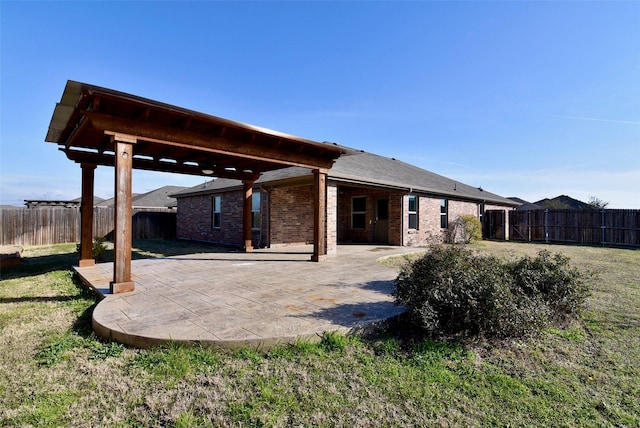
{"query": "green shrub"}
pixel 452 290
pixel 473 227
pixel 99 249
pixel 464 229
pixel 550 278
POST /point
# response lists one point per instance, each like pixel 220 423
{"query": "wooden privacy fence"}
pixel 601 227
pixel 44 226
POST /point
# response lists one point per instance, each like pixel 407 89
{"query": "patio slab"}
pixel 257 300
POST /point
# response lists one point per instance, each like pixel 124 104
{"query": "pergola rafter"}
pixel 99 126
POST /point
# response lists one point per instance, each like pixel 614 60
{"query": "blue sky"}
pixel 527 99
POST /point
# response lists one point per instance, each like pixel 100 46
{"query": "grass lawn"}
pixel 54 372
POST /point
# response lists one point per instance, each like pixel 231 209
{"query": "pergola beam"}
pixel 100 126
pixel 247 196
pixel 86 216
pixel 188 139
pixel 107 159
pixel 122 282
pixel 319 215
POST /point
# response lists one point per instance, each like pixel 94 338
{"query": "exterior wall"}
pixel 332 218
pixel 291 215
pixel 429 229
pixel 287 217
pixel 347 234
pixel 195 219
pixel 428 222
pixel 396 218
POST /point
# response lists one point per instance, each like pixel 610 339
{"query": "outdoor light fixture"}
pixel 207 168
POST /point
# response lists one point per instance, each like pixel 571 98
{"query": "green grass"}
pixel 55 372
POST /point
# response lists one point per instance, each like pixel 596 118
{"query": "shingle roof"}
pixel 370 169
pixel 158 198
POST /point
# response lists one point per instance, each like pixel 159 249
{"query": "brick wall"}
pixel 346 233
pixel 287 217
pixel 291 215
pixel 429 219
pixel 332 218
pixel 195 219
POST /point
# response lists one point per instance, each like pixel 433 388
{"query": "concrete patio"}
pixel 256 300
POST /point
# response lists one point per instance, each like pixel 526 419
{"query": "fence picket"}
pixel 45 226
pixel 602 227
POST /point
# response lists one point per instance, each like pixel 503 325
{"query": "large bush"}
pixel 464 229
pixel 452 290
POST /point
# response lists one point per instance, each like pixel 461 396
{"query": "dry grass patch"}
pixel 54 372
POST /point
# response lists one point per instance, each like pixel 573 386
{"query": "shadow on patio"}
pixel 246 299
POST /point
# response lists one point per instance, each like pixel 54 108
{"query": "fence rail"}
pixel 601 227
pixel 45 226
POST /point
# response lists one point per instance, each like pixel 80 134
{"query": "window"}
pixel 256 218
pixel 444 213
pixel 359 212
pixel 413 212
pixel 216 203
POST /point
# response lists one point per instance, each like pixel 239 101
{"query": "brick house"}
pixel 369 199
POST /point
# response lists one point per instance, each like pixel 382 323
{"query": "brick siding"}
pixel 287 217
pixel 195 219
pixel 429 229
pixel 291 215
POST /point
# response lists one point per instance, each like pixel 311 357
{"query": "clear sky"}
pixel 527 99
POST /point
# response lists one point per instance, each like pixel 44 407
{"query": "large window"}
pixel 216 203
pixel 413 212
pixel 359 212
pixel 256 218
pixel 444 213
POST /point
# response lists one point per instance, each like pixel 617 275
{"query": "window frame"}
pixel 412 213
pixel 359 213
pixel 216 212
pixel 256 212
pixel 444 213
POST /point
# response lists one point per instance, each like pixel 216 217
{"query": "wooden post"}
pixel 86 216
pixel 246 215
pixel 122 282
pixel 319 215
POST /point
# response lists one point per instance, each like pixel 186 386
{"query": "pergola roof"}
pixel 174 139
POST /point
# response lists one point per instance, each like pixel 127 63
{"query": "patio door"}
pixel 381 222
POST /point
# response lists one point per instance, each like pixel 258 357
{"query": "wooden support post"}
pixel 122 282
pixel 319 215
pixel 247 187
pixel 86 216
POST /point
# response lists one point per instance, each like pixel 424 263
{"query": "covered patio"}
pixel 256 300
pixel 99 126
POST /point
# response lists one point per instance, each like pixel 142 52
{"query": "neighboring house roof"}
pixel 96 200
pixel 369 169
pixel 563 202
pixel 518 200
pixel 158 198
pixel 529 206
pixel 51 203
pixel 107 203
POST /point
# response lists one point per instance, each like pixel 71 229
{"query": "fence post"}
pixel 546 225
pixel 603 227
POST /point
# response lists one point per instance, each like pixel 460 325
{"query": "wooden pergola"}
pixel 99 126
